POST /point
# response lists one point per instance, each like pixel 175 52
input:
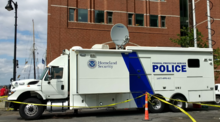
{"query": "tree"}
pixel 188 41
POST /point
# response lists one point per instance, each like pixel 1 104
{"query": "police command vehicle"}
pixel 83 78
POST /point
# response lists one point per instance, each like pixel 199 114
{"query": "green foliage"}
pixel 188 41
pixel 216 57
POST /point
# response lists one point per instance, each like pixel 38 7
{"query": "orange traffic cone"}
pixel 146 118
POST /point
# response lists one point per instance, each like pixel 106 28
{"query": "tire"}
pixel 155 105
pixel 30 112
pixel 177 103
pixel 217 99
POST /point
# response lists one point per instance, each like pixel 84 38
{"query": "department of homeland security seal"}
pixel 92 63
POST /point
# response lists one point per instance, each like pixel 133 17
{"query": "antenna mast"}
pixel 34 51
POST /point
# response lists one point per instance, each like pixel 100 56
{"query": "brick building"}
pixel 88 22
pixel 150 22
pixel 201 21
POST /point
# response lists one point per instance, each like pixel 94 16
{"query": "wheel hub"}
pixel 30 110
pixel 217 100
pixel 156 104
pixel 178 103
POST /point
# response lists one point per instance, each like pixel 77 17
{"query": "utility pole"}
pixel 34 51
pixel 194 23
pixel 9 8
pixel 209 25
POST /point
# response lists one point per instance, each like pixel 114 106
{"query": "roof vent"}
pixel 100 46
pixel 76 47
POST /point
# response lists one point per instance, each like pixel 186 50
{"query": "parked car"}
pixel 217 93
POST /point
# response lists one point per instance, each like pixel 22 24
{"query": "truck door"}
pixel 55 88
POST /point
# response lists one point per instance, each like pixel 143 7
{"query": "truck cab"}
pixel 51 88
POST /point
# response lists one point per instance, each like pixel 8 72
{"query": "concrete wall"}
pixel 3 103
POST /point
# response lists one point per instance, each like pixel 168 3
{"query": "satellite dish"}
pixel 120 35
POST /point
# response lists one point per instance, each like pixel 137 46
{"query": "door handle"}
pixel 62 87
pixel 59 81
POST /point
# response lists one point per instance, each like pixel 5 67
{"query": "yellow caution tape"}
pixel 176 107
pixel 193 102
pixel 77 106
pixel 3 96
pixel 149 99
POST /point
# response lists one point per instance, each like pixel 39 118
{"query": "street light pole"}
pixel 9 8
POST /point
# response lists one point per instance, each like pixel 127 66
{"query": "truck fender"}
pixel 41 94
pixel 27 94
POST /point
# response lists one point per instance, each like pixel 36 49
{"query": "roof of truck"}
pixel 185 49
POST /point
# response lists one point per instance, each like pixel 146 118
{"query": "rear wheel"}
pixel 29 111
pixel 156 106
pixel 177 103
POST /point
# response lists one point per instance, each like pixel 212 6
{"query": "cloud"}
pixel 6 66
pixel 6 70
pixel 28 10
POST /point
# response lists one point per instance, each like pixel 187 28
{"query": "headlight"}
pixel 21 83
pixel 11 92
pixel 16 84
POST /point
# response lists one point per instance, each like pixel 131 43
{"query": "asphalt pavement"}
pixel 119 115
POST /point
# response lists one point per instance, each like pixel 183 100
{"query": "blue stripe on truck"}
pixel 139 83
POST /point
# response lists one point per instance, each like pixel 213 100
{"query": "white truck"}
pixel 82 78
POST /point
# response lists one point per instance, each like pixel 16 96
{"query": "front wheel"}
pixel 177 103
pixel 156 106
pixel 29 111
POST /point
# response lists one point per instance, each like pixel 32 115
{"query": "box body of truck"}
pixel 114 76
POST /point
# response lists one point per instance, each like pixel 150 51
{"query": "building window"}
pixel 163 21
pixel 130 16
pixel 82 15
pixel 153 20
pixel 71 14
pixel 193 63
pixel 184 16
pixel 109 17
pixel 99 16
pixel 139 20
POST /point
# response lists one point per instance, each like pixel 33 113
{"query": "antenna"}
pixel 120 35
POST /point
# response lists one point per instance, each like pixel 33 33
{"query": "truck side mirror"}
pixel 49 74
pixel 49 78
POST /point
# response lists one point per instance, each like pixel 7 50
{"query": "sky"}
pixel 28 10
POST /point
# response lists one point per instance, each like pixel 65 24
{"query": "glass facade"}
pixel 163 21
pixel 139 20
pixel 154 20
pixel 130 16
pixel 71 14
pixel 99 16
pixel 184 19
pixel 109 17
pixel 82 15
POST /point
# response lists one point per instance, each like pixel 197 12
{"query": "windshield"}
pixel 43 73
